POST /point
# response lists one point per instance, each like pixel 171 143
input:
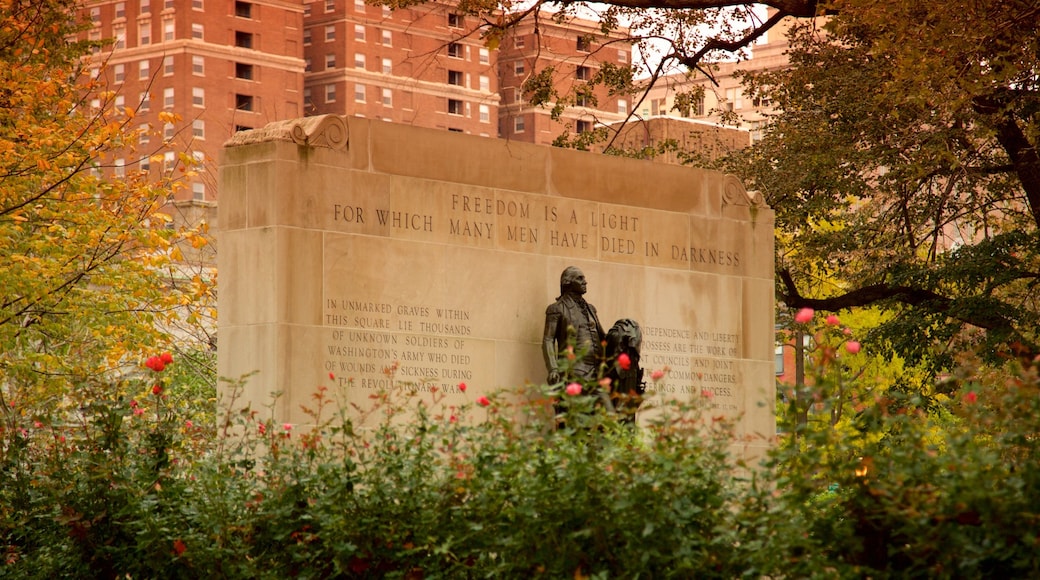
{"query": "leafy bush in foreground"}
pixel 134 490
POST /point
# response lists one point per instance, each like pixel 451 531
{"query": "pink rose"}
pixel 573 389
pixel 852 347
pixel 462 387
pixel 657 375
pixel 483 401
pixel 833 320
pixel 332 377
pixel 971 397
pixel 624 362
pixel 287 426
pixel 804 315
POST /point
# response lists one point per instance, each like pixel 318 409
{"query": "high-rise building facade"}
pixel 216 66
pixel 723 93
pixel 576 50
pixel 420 66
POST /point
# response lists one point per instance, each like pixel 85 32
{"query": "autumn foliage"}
pixel 84 251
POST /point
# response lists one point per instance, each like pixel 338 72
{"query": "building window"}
pixel 307 65
pixel 734 99
pixel 198 65
pixel 144 33
pixel 240 128
pixel 198 190
pixel 168 29
pixel 243 39
pixel 359 32
pixel 330 61
pixel 307 37
pixel 386 11
pixel 167 66
pixel 120 103
pixel 120 9
pixel 243 71
pixel 388 97
pixel 359 6
pixel 518 124
pixel 196 31
pixel 143 71
pixel 622 56
pixel 485 56
pixel 455 78
pixel 167 131
pixel 243 9
pixel 519 42
pixel 169 4
pixel 146 7
pixel 581 100
pixel 119 71
pixel 120 167
pixel 454 50
pixel 584 44
pixel 582 73
pixel 198 97
pixel 622 106
pixel 455 107
pixel 144 134
pixel 196 5
pixel 146 101
pixel 167 98
pixel 95 37
pixel 518 68
pixel 330 93
pixel 95 15
pixel 454 20
pixel 120 33
pixel 485 114
pixel 198 128
pixel 387 37
pixel 145 164
pixel 359 92
pixel 388 66
pixel 308 101
pixel 330 33
pixel 583 126
pixel 485 83
pixel 359 60
pixel 244 102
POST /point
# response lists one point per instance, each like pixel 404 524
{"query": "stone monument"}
pixel 350 246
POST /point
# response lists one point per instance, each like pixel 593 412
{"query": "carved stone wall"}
pixel 351 246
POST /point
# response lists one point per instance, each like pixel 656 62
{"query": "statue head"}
pixel 573 281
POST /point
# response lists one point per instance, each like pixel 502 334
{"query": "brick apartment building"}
pixel 725 94
pixel 576 50
pixel 419 66
pixel 223 66
pixel 219 65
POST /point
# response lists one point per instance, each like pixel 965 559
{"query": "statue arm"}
pixel 549 349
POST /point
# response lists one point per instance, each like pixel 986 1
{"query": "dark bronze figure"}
pixel 572 320
pixel 626 384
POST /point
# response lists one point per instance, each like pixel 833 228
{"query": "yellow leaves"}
pixel 168 117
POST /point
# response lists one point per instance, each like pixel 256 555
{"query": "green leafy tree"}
pixel 84 260
pixel 904 163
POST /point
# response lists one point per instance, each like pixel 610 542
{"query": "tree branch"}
pixel 911 296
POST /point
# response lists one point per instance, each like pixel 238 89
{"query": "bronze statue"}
pixel 572 320
pixel 626 379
